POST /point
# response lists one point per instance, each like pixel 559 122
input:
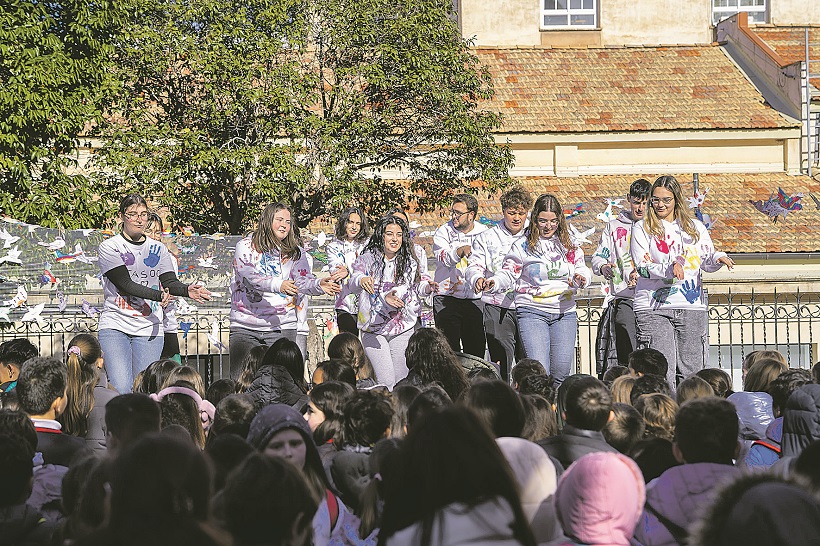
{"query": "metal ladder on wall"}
pixel 811 69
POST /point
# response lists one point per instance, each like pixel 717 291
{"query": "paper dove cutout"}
pixel 580 237
pixel 48 277
pixel 184 308
pixel 7 238
pixel 56 244
pixel 415 224
pixel 426 233
pixel 607 215
pixel 321 239
pixel 789 202
pixel 85 232
pixel 213 337
pixel 13 257
pixel 572 213
pixel 89 309
pixel 81 256
pixel 33 314
pixel 705 219
pixel 185 327
pixel 62 301
pixel 777 206
pixel 19 298
pixel 206 261
pixel 189 249
pixel 4 314
pixel 614 202
pixel 698 199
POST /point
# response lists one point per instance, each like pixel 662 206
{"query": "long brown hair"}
pixel 82 355
pixel 265 240
pixel 681 213
pixel 548 203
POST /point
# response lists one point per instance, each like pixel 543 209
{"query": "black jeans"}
pixel 462 322
pixel 347 322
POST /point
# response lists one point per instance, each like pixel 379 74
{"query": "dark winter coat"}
pixel 801 419
pixel 274 385
pixel 24 525
pixel 573 443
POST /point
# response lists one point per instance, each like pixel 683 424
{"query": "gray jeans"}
pixel 680 334
pixel 242 340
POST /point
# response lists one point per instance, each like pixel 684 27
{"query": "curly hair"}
pixel 405 257
pixel 430 356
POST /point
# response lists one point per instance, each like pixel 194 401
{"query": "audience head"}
pixel 129 417
pixel 588 405
pixel 539 418
pixel 477 374
pixel 402 397
pixel 562 396
pixel 366 420
pixel 815 373
pixel 759 510
pixel 337 370
pixel 608 488
pixel 12 355
pixel 621 389
pixel 782 387
pixel 248 367
pixel 431 399
pixel 648 361
pixel 41 388
pixel 654 456
pixel 286 353
pixel 181 405
pixel 760 374
pixel 325 410
pixel 658 412
pixel 625 429
pixel 693 387
pixel 155 376
pixel 187 374
pixel 430 356
pixel 718 379
pixel 226 452
pixel 17 423
pixel 541 385
pixel 347 346
pixel 255 516
pixel 498 407
pixel 755 356
pixel 233 415
pixel 219 389
pixel 525 367
pixel 706 431
pixel 83 363
pixel 438 465
pixel 612 373
pixel 15 457
pixel 84 497
pixel 649 384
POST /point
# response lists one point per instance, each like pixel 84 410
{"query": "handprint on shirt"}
pixel 691 291
pixel 128 257
pixel 620 234
pixel 153 256
pixel 661 295
pixel 254 296
pixel 604 253
pixel 662 245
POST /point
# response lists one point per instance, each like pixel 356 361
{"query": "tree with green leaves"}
pixel 54 69
pixel 225 106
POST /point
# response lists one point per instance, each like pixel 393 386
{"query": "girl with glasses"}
pixel 545 269
pixel 139 279
pixel 670 249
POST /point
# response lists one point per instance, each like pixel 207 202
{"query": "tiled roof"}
pixel 623 89
pixel 790 43
pixel 738 226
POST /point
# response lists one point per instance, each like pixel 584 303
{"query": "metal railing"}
pixel 739 322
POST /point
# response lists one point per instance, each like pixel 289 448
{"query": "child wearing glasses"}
pixel 138 279
pixel 670 249
pixel 545 269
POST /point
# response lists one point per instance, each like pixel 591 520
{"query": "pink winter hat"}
pixel 600 499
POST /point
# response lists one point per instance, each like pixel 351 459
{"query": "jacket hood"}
pixel 274 418
pixel 760 509
pixel 754 410
pixel 600 498
pixel 536 477
pixel 801 419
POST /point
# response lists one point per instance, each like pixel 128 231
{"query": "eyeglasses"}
pixel 664 200
pixel 134 215
pixel 458 214
pixel 545 222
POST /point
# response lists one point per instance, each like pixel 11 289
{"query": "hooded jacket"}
pixel 677 496
pixel 600 498
pixel 573 443
pixel 274 385
pixel 754 411
pixel 764 453
pixel 801 419
pixel 536 477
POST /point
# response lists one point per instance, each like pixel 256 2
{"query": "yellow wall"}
pixel 794 12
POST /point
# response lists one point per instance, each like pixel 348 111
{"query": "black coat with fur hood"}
pixel 274 385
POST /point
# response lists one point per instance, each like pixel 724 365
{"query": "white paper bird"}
pixel 698 199
pixel 213 337
pixel 81 256
pixel 13 257
pixel 580 237
pixel 415 224
pixel 206 261
pixel 426 234
pixel 614 202
pixel 89 309
pixel 214 236
pixel 184 308
pixel 85 232
pixel 19 298
pixel 4 314
pixel 56 244
pixel 7 238
pixel 321 239
pixel 62 301
pixel 607 215
pixel 33 314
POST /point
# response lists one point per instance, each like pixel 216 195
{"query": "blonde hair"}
pixel 264 240
pixel 756 356
pixel 187 374
pixel 654 225
pixel 694 387
pixel 659 412
pixel 82 355
pixel 621 389
pixel 762 373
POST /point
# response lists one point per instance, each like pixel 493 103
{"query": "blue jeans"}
pixel 126 356
pixel 549 338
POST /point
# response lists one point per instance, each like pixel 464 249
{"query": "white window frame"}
pixel 720 13
pixel 569 12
